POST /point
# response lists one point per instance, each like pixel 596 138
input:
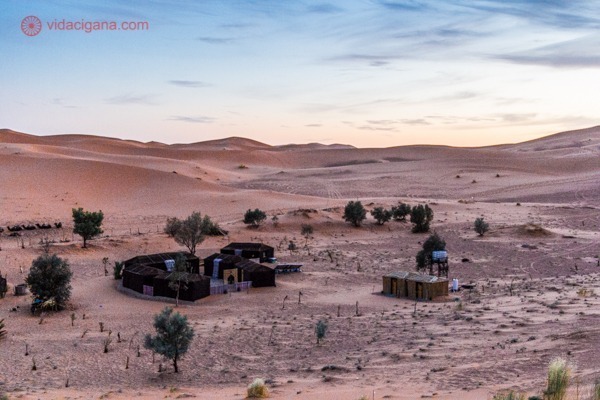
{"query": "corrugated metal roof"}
pixel 413 276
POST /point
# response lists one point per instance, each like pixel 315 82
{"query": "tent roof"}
pixel 158 258
pixel 413 276
pixel 247 246
pixel 139 269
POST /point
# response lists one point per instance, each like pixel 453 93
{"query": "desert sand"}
pixel 536 273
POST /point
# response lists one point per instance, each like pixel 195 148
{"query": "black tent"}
pixel 158 261
pixel 250 250
pixel 198 287
pixel 221 262
pixel 135 277
pixel 260 275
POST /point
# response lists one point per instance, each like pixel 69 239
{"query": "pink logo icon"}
pixel 31 25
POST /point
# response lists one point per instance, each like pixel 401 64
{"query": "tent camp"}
pixel 235 269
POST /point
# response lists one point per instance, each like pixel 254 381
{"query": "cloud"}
pixel 313 125
pixel 409 5
pixel 581 52
pixel 324 8
pixel 215 40
pixel 517 117
pixel 200 119
pixel 189 84
pixel 129 98
pixel 416 121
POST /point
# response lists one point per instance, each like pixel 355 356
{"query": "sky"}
pixel 371 73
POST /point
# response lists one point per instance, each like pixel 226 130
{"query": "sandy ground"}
pixel 535 296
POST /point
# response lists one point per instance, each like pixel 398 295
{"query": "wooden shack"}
pixel 412 285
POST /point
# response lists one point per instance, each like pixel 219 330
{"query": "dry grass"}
pixel 559 374
pixel 257 389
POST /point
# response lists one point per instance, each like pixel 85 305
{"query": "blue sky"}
pixel 368 73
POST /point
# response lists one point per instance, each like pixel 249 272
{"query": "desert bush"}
pixel 509 396
pixel 172 226
pixel 433 243
pixel 173 336
pixel 320 330
pixel 481 226
pixel 87 224
pixel 400 211
pixel 559 374
pixel 421 216
pixel 355 213
pixel 117 269
pixel 381 215
pixel 254 217
pixel 50 279
pixel 257 389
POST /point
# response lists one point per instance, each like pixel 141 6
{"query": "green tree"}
pixel 421 216
pixel 173 225
pixel 381 215
pixel 179 277
pixel 254 217
pixel 424 256
pixel 481 226
pixel 400 211
pixel 173 336
pixel 50 279
pixel 192 231
pixel 87 224
pixel 355 213
pixel 320 330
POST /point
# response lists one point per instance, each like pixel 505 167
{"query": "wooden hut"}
pixel 414 286
pixel 163 260
pixel 250 250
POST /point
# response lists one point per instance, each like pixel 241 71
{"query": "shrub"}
pixel 173 225
pixel 355 213
pixel 87 224
pixel 381 215
pixel 173 335
pixel 481 226
pixel 307 230
pixel 421 216
pixel 118 269
pixel 49 279
pixel 433 243
pixel 254 217
pixel 257 389
pixel 509 396
pixel 320 330
pixel 559 374
pixel 400 211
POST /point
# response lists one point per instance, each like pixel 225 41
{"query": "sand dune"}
pixel 526 307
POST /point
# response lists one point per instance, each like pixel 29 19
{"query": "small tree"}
pixel 355 213
pixel 87 224
pixel 49 279
pixel 481 226
pixel 400 212
pixel 191 231
pixel 173 225
pixel 381 215
pixel 320 330
pixel 254 217
pixel 178 278
pixel 421 216
pixel 118 269
pixel 173 336
pixel 424 256
pixel 306 231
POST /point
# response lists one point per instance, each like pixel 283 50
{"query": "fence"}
pixel 236 287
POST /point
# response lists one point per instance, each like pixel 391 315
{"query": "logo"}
pixel 31 25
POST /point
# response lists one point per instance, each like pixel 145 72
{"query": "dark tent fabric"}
pixel 3 286
pixel 250 250
pixel 136 276
pixel 227 262
pixel 158 260
pixel 260 275
pixel 198 287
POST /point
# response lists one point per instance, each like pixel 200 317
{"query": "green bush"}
pixel 509 396
pixel 381 215
pixel 400 212
pixel 254 217
pixel 49 279
pixel 421 216
pixel 424 256
pixel 173 336
pixel 355 213
pixel 320 330
pixel 481 226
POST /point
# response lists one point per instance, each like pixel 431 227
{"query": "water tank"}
pixel 440 255
pixel 455 285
